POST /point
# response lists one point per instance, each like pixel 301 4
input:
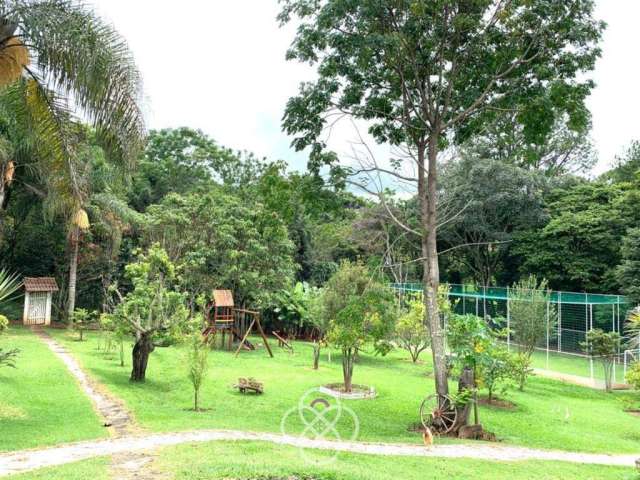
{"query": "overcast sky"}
pixel 218 65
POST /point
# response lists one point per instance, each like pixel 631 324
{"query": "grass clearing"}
pixel 93 468
pixel 253 460
pixel 548 414
pixel 40 402
pixel 573 365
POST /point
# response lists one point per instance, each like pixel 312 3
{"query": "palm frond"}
pixel 10 283
pixel 81 57
pixel 45 122
pixel 632 329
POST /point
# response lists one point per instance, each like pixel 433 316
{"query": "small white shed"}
pixel 37 300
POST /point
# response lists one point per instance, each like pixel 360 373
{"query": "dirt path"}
pixel 577 380
pixel 115 416
pixel 16 462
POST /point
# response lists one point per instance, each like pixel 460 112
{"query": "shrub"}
pixel 521 368
pixel 4 323
pixel 633 375
pixel 411 333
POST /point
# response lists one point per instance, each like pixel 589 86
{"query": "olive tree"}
pixel 359 309
pixel 425 74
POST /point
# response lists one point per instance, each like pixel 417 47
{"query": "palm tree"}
pixel 58 60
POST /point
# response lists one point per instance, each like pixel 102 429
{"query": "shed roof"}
pixel 40 284
pixel 223 298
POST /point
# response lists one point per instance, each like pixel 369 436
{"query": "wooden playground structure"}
pixel 232 323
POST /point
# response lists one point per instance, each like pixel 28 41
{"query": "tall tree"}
pixel 59 58
pixel 426 73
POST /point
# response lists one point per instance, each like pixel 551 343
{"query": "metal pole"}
pixel 559 321
pixel 591 328
pixel 548 333
pixel 477 306
pixel 508 323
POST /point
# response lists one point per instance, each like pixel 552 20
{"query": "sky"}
pixel 229 77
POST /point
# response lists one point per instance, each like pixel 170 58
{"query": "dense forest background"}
pixel 229 219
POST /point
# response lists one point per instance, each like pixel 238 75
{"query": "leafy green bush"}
pixel 633 375
pixel 521 368
pixel 411 332
pixel 292 308
pixel 4 323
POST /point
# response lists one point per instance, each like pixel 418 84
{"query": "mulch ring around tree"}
pixel 357 391
pixel 497 403
pixel 633 411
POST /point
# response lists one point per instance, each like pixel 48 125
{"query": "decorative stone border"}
pixel 359 394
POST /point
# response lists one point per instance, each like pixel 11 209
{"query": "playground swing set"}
pixel 232 323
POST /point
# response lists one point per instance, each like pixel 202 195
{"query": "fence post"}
pixel 559 321
pixel 548 332
pixel 508 322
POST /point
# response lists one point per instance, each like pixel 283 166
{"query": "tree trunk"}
pixel 465 382
pixel 195 399
pixel 140 356
pixel 316 355
pixel 427 193
pixel 347 368
pixel 73 271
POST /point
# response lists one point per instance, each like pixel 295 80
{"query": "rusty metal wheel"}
pixel 438 414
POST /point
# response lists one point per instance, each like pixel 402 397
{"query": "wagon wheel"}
pixel 438 413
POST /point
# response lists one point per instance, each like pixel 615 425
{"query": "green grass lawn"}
pixel 251 460
pixel 93 468
pixel 258 460
pixel 573 365
pixel 548 414
pixel 40 402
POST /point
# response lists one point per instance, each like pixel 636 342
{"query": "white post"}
pixel 508 323
pixel 591 328
pixel 559 321
pixel 47 318
pixel 25 315
pixel 548 332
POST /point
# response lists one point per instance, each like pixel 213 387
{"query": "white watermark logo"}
pixel 320 417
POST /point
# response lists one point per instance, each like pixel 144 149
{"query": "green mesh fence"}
pixel 571 316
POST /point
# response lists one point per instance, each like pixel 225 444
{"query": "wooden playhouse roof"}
pixel 40 284
pixel 223 298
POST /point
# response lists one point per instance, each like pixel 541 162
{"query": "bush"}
pixel 4 323
pixel 411 333
pixel 521 368
pixel 633 375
